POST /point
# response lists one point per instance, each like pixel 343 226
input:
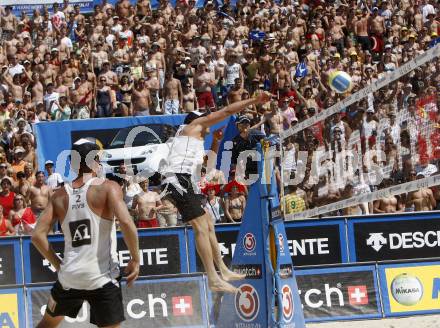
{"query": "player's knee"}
pixel 200 225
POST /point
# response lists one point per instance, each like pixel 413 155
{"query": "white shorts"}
pixel 171 107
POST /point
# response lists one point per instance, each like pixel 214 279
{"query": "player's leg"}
pixel 50 322
pixel 227 274
pixel 203 246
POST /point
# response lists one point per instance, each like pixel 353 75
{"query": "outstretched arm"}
pixel 232 109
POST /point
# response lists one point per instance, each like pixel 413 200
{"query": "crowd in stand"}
pixel 132 60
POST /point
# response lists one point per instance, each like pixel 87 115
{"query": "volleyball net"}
pixel 381 140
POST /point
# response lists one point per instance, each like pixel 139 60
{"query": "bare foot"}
pixel 232 276
pixel 222 286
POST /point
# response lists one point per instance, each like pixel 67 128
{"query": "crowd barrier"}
pixel 333 282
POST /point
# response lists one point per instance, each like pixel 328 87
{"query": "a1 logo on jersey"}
pixel 80 232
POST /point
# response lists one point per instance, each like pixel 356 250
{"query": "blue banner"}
pixel 315 242
pixel 339 293
pixel 258 255
pixel 11 268
pixel 162 252
pixel 55 139
pixel 162 302
pixel 393 237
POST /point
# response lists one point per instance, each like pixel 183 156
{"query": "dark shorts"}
pixel 106 306
pixel 188 203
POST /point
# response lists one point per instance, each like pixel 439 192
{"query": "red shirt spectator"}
pixel 6 196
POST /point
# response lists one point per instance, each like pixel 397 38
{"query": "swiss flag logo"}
pixel 357 295
pixel 182 306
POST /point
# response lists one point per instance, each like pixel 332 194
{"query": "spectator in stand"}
pixel 21 216
pixel 6 228
pixel 6 195
pixel 214 204
pixel 54 179
pixel 235 201
pixel 125 61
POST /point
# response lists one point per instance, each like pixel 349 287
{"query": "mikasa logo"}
pixel 80 232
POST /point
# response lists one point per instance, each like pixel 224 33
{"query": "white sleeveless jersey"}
pixel 90 257
pixel 186 154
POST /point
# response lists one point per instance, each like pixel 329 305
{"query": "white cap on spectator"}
pixel 18 150
pixel 48 162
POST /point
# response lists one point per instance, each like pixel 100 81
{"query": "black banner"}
pixel 7 265
pixel 308 245
pixel 40 269
pixel 394 240
pixel 313 245
pixel 226 240
pixel 155 303
pixel 338 294
pixel 159 255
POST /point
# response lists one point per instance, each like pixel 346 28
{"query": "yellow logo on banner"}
pixel 415 288
pixel 9 311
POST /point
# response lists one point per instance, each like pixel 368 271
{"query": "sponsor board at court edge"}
pixel 167 256
pixel 11 308
pixel 309 243
pixel 338 293
pixel 10 262
pixel 178 302
pixel 393 238
pixel 410 288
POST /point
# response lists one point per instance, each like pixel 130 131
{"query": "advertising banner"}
pixel 394 238
pixel 410 288
pixel 10 262
pixel 310 243
pixel 29 5
pixel 104 130
pixel 317 242
pixel 339 293
pixel 290 313
pixel 177 302
pixel 226 236
pixel 249 306
pixel 12 309
pixel 162 251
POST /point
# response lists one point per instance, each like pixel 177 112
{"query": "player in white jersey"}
pixel 186 157
pixel 89 270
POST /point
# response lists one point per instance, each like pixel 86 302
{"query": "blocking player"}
pixel 89 271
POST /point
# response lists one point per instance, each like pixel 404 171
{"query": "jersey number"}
pixel 80 232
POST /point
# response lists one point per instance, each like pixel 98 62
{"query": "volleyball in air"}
pixel 339 81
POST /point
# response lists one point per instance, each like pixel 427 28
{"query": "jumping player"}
pixel 89 271
pixel 186 157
